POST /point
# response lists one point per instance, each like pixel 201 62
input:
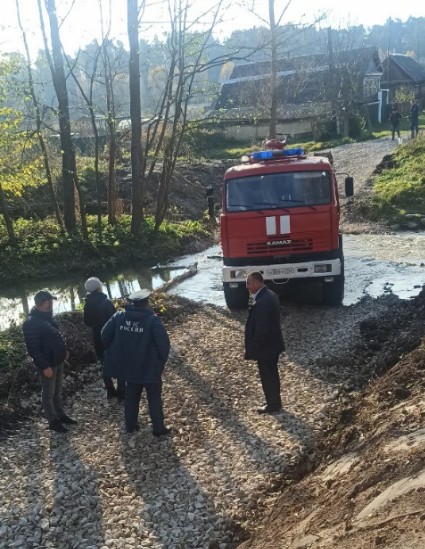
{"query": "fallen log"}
pixel 191 271
pixel 168 268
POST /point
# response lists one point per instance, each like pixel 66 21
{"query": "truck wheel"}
pixel 333 292
pixel 236 298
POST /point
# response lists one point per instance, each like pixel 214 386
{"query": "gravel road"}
pixel 359 160
pixel 98 487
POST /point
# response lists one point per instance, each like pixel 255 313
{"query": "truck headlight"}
pixel 238 274
pixel 324 268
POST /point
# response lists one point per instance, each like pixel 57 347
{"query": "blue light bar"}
pixel 268 155
pixel 262 155
pixel 293 152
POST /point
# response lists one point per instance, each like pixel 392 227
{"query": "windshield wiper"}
pixel 255 207
pixel 301 202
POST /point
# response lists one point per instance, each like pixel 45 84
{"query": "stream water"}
pixel 374 265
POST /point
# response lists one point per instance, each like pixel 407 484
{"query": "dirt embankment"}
pixel 369 490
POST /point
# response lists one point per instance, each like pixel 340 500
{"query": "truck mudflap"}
pixel 287 271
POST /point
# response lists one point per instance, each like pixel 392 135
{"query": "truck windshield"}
pixel 278 190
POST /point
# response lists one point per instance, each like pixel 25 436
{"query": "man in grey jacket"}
pixel 47 348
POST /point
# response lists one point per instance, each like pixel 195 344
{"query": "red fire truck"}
pixel 280 216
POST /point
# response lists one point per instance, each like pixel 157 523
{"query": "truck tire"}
pixel 236 298
pixel 333 292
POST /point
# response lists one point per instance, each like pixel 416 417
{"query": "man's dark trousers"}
pixel 133 393
pixel 270 381
pixel 109 384
pixel 51 394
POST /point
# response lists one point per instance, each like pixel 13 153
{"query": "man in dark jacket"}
pixel 47 348
pixel 98 309
pixel 395 118
pixel 264 339
pixel 137 347
pixel 414 118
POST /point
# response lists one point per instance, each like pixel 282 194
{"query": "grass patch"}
pixel 399 189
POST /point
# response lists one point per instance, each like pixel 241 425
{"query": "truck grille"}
pixel 279 246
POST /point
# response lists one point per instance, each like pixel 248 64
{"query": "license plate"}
pixel 281 271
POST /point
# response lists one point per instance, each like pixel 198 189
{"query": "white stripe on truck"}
pixel 270 225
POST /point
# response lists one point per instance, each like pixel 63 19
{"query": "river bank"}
pixel 44 253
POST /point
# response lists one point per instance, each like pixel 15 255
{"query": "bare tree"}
pixel 274 42
pixel 135 115
pixel 274 28
pixel 88 98
pixel 69 169
pixel 187 61
pixel 111 122
pixel 39 123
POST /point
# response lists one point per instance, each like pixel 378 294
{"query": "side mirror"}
pixel 349 186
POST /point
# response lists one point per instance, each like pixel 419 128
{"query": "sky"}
pixel 82 24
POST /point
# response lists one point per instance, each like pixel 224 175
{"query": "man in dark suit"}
pixel 264 339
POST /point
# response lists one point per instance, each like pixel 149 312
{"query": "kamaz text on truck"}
pixel 280 216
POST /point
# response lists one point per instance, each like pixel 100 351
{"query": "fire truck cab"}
pixel 280 216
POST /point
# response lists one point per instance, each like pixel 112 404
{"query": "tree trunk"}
pixel 68 154
pixel 82 202
pixel 49 174
pixel 112 188
pixel 112 145
pixel 7 218
pixel 135 116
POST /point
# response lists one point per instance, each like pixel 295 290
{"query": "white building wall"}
pixel 261 131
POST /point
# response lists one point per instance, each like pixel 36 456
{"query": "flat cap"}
pixel 42 296
pixel 140 295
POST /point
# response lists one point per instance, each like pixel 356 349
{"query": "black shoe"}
pixel 57 426
pixel 269 409
pixel 163 432
pixel 133 429
pixel 68 420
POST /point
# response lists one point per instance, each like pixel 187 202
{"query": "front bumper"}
pixel 287 271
